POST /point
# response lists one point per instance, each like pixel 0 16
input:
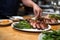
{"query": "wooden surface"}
pixel 8 33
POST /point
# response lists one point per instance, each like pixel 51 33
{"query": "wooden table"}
pixel 8 33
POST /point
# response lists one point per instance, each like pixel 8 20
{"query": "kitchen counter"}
pixel 8 33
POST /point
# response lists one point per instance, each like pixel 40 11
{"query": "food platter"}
pixel 30 30
pixel 54 19
pixel 4 22
pixel 54 23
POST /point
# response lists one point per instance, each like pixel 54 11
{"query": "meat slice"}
pixel 53 20
pixel 38 24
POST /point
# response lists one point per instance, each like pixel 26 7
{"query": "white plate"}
pixel 31 30
pixel 16 17
pixel 10 21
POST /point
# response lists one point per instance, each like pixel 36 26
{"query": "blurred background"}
pixel 47 6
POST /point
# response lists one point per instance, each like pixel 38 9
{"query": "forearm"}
pixel 29 3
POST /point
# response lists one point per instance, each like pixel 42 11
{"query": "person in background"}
pixel 10 8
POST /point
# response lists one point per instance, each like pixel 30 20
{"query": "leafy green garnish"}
pixel 54 35
pixel 23 24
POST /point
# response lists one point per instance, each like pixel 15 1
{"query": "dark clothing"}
pixel 8 7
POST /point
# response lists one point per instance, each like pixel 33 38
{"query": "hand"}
pixel 37 10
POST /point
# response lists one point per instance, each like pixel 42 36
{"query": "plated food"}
pixel 5 22
pixel 49 35
pixel 29 25
pixel 52 19
pixel 38 23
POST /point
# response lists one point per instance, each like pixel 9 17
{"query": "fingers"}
pixel 35 12
pixel 38 12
